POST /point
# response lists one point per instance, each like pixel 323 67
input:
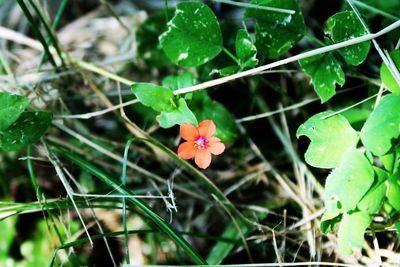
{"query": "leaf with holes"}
pixel 330 139
pixel 387 78
pixel 193 36
pixel 348 183
pixel 246 51
pixel 344 26
pixel 276 32
pixel 382 126
pixel 351 231
pixel 157 97
pixel 11 107
pixel 27 129
pixel 179 115
pixel 325 72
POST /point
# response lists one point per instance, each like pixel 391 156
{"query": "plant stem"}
pixel 105 73
pixel 226 51
pixel 285 61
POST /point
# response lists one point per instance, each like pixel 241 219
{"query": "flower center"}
pixel 200 142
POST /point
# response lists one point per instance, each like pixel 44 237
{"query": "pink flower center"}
pixel 200 142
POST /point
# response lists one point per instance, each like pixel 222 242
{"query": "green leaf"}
pixel 246 51
pixel 7 230
pixel 193 36
pixel 330 139
pixel 351 231
pixel 11 107
pixel 157 97
pixel 348 183
pixel 344 26
pixel 186 79
pixel 223 119
pixel 179 115
pixel 325 72
pixel 148 45
pixel 382 126
pixel 393 193
pixel 387 77
pixel 277 32
pixel 329 222
pixel 397 225
pixel 226 71
pixel 373 199
pixel 27 129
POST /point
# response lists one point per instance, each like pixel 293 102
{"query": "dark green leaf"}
pixel 246 51
pixel 330 139
pixel 344 26
pixel 27 129
pixel 11 107
pixel 157 97
pixel 277 32
pixel 351 231
pixel 179 115
pixel 193 36
pixel 348 183
pixel 382 126
pixel 226 71
pixel 386 75
pixel 325 72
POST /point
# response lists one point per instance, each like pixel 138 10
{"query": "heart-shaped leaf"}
pixel 344 26
pixel 193 36
pixel 382 126
pixel 325 72
pixel 330 139
pixel 157 97
pixel 276 32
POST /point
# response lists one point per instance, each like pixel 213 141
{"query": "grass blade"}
pixel 154 217
pixel 54 25
pixel 37 32
pixel 52 38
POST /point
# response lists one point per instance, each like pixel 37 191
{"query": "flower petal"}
pixel 213 139
pixel 203 158
pixel 188 132
pixel 207 128
pixel 186 150
pixel 216 148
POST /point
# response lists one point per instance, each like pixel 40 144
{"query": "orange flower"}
pixel 200 143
